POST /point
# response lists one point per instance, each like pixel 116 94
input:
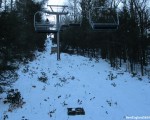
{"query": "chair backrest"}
pixel 103 18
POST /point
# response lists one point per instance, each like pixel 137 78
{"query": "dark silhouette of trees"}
pixel 127 45
pixel 18 39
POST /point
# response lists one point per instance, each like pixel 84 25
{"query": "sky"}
pixel 53 2
pixel 56 2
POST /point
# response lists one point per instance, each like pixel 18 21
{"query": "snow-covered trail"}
pixel 75 81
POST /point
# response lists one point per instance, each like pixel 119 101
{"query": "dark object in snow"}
pixel 53 50
pixel 1 89
pixel 76 111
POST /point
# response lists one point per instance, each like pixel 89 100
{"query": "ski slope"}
pixel 76 81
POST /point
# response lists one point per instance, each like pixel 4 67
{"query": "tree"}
pixel 127 44
pixel 17 36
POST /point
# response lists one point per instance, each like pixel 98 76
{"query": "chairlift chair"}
pixel 75 20
pixel 44 26
pixel 103 19
pixel 63 27
pixel 63 23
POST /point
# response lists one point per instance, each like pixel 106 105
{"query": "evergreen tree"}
pixel 17 36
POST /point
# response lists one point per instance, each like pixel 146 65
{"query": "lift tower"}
pixel 42 27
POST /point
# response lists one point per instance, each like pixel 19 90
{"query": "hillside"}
pixel 49 87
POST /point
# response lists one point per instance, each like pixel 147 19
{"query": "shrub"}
pixel 14 98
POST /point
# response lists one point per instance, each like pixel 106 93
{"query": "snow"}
pixel 77 81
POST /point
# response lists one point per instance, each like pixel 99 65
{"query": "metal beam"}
pixel 54 13
pixel 57 5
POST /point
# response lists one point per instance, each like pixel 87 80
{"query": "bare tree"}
pixel 0 3
pixel 114 3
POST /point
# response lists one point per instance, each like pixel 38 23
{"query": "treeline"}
pixel 129 45
pixel 17 37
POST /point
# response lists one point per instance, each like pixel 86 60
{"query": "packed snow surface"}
pixel 76 81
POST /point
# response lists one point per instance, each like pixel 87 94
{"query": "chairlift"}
pixel 63 23
pixel 44 26
pixel 75 20
pixel 103 19
pixel 50 27
pixel 64 27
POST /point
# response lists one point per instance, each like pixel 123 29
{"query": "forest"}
pixel 18 40
pixel 127 46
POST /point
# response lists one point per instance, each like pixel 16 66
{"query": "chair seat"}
pixel 46 31
pixel 104 26
pixel 75 24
